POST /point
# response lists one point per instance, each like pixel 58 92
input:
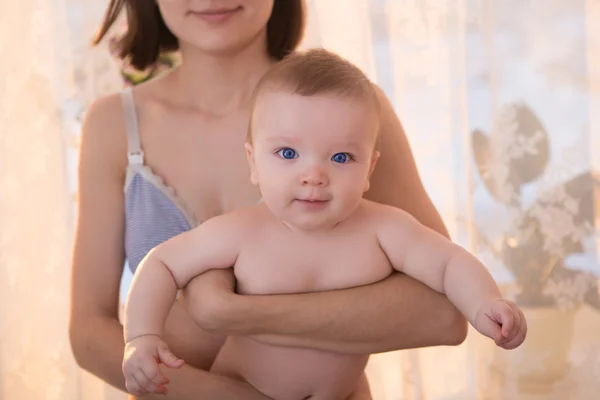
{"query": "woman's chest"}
pixel 205 165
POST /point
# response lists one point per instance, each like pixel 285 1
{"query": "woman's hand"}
pixel 211 301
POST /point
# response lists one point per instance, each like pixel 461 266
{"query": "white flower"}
pixel 569 292
pixel 556 211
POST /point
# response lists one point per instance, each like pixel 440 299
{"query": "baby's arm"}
pixel 171 265
pixel 447 268
pixel 167 268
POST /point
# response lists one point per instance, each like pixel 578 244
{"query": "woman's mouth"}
pixel 216 15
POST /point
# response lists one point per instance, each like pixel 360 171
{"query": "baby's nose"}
pixel 315 176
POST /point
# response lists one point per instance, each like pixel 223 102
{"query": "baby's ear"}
pixel 371 168
pixel 250 156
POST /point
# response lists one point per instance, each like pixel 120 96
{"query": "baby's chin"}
pixel 308 214
pixel 309 223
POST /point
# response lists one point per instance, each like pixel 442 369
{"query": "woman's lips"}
pixel 216 15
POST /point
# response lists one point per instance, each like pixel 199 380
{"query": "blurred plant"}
pixel 132 76
pixel 546 233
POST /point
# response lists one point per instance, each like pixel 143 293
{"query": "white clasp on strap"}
pixel 136 157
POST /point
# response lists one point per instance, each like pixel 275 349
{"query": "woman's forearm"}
pixel 397 313
pixel 98 348
pixel 97 345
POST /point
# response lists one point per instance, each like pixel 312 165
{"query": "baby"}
pixel 312 146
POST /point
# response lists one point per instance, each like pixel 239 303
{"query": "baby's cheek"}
pixel 278 192
pixel 351 195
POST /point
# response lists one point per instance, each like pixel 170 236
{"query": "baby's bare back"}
pixel 276 260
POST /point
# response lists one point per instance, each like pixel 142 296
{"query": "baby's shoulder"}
pixel 376 211
pixel 383 217
pixel 245 220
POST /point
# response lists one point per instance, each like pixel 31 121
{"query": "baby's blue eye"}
pixel 341 158
pixel 287 153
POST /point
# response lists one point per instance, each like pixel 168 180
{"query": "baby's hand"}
pixel 140 365
pixel 502 321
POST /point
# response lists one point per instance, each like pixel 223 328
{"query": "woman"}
pixel 176 145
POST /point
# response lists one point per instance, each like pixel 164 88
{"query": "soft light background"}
pixel 501 102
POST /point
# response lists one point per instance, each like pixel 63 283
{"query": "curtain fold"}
pixel 35 208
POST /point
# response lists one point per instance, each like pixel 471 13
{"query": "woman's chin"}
pixel 219 43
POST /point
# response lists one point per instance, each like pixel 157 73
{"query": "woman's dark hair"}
pixel 147 34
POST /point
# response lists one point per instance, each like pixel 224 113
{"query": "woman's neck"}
pixel 220 84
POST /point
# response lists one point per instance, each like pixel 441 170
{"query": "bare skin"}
pixel 312 160
pixel 349 320
pixel 328 320
pixel 170 128
pixel 337 260
pixel 190 121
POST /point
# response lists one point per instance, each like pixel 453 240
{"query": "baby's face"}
pixel 312 156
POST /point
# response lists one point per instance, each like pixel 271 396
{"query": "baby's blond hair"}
pixel 313 72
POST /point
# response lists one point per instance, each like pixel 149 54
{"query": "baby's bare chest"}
pixel 274 263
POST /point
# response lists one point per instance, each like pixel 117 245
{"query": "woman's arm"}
pixel 96 334
pixel 397 313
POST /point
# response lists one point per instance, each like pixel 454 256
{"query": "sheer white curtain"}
pixel 500 101
pixel 35 208
pixel 45 79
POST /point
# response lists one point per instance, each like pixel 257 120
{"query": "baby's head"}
pixel 312 138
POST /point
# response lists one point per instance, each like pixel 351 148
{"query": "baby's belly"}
pixel 285 373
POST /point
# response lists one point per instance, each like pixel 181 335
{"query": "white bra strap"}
pixel 135 155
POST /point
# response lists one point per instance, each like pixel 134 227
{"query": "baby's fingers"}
pixel 146 383
pixel 168 358
pixel 489 327
pixel 134 387
pixel 519 332
pixel 518 320
pixel 152 371
pixel 504 315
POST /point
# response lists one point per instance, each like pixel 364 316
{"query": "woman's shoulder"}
pixel 103 128
pixel 107 113
pixel 104 112
pixel 104 123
